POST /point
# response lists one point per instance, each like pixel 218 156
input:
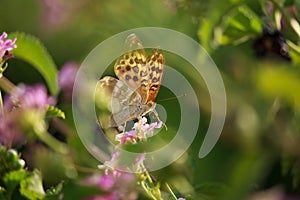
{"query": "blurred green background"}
pixel 259 148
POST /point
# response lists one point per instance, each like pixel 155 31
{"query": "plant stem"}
pixel 293 46
pixel 86 169
pixel 62 127
pixel 6 85
pixel 152 190
pixel 170 190
pixel 285 16
pixel 53 142
pixel 147 190
pixel 147 174
pixel 1 104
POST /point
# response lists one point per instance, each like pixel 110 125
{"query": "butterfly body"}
pixel 133 94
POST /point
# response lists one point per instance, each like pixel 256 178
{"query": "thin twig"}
pixel 61 127
pixel 170 190
pixel 6 85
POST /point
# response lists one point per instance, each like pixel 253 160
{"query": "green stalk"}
pixel 293 46
pixel 147 191
pixel 285 16
pixel 55 145
pixel 170 190
pixel 6 85
pixel 151 190
pixel 1 74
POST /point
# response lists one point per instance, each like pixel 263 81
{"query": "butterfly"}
pixel 132 95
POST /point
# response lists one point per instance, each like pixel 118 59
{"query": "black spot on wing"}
pixel 135 78
pixel 154 80
pixel 127 77
pixel 136 69
pixel 143 73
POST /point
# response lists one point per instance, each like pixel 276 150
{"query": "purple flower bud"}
pixel 6 45
pixel 66 79
pixel 3 36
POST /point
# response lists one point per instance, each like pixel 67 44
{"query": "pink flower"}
pixel 10 131
pixel 66 76
pixel 104 182
pixel 181 198
pixel 144 129
pixel 66 79
pixel 140 131
pixel 109 196
pixel 275 193
pixel 139 161
pixel 6 45
pixel 117 185
pixel 55 13
pixel 127 137
pixel 149 128
pixel 29 97
pixel 115 155
pixel 24 110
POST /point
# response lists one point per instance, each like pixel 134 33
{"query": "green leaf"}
pixel 210 190
pixel 209 24
pixel 32 187
pixel 2 192
pixel 237 26
pixel 73 190
pixel 54 192
pixel 280 83
pixel 53 111
pixel 31 50
pixel 12 179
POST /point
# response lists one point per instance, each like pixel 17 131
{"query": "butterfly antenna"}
pixel 170 98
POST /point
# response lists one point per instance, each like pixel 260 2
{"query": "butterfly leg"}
pixel 156 115
pixel 138 128
pixel 124 128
